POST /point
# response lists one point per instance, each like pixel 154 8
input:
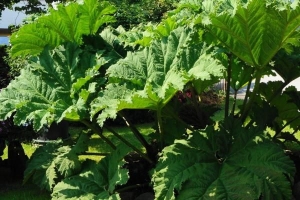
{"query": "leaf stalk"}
pixel 228 87
pixel 160 127
pixel 128 144
pixel 251 98
pixel 99 132
pixel 136 132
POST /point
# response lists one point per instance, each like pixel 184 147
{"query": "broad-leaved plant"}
pixel 82 71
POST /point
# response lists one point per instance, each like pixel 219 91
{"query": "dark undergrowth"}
pixel 13 189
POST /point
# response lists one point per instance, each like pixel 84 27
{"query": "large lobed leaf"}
pixel 67 23
pixel 155 74
pixel 43 92
pixel 209 166
pixel 33 100
pixel 255 31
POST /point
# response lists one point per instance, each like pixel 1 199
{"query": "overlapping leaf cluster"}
pixel 149 79
pixel 93 78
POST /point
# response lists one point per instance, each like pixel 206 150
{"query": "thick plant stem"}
pixel 128 144
pixel 228 88
pixel 234 103
pixel 93 154
pixel 251 99
pixel 136 132
pixel 246 95
pixel 160 128
pixel 97 130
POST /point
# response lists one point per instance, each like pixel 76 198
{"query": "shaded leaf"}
pixel 200 168
pixel 287 65
pixel 50 163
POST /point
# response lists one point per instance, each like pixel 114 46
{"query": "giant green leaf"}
pixel 155 74
pixel 201 168
pixel 255 31
pixel 43 92
pixel 67 23
pixel 31 99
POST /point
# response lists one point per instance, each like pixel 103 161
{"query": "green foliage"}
pixel 81 71
pixel 4 75
pixel 261 43
pixel 133 12
pixel 43 90
pixel 143 34
pixel 55 161
pixel 96 180
pixel 257 31
pixel 7 4
pixel 153 76
pixel 223 164
pixel 29 7
pixel 286 105
pixel 241 74
pixel 287 65
pixel 67 23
